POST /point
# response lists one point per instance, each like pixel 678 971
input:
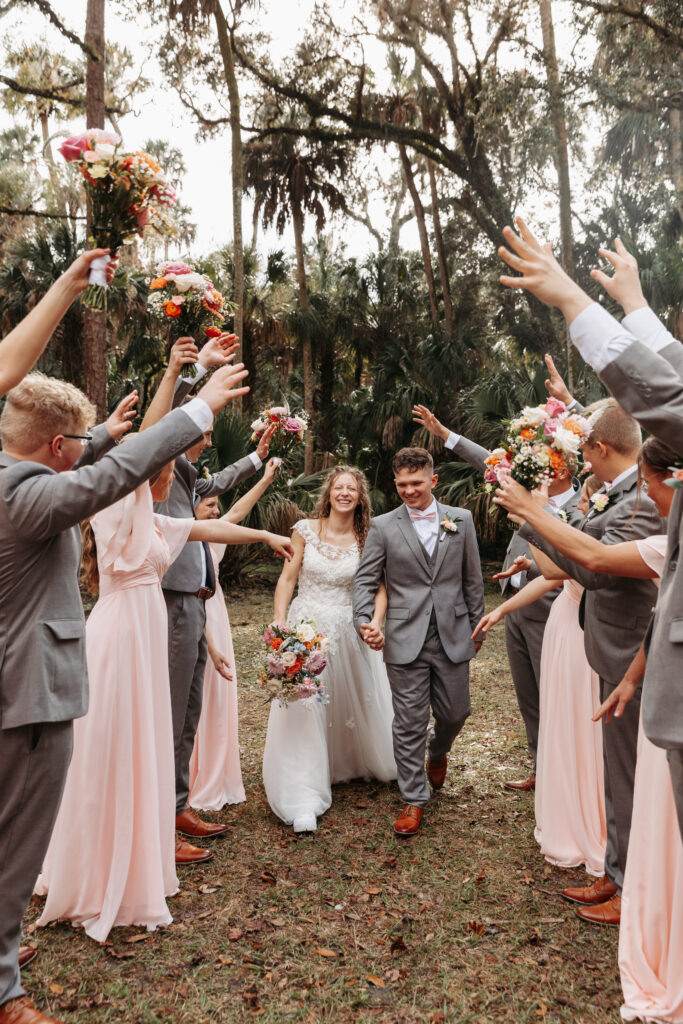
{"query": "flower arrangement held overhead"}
pixel 294 657
pixel 541 442
pixel 290 429
pixel 127 192
pixel 187 300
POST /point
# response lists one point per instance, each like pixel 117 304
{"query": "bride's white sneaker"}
pixel 305 823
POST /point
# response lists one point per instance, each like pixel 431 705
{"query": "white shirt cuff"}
pixel 599 337
pixel 199 371
pixel 516 580
pixel 199 413
pixel 646 326
pixel 572 405
pixel 255 459
pixel 452 440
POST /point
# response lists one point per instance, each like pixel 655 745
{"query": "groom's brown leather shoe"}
pixel 26 955
pixel 590 895
pixel 22 1011
pixel 523 784
pixel 186 853
pixel 188 823
pixel 408 821
pixel 436 770
pixel 605 913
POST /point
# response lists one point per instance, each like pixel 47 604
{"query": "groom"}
pixel 427 554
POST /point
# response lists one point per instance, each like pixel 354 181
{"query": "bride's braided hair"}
pixel 363 511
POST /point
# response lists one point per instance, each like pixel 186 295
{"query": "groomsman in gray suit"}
pixel 187 585
pixel 524 628
pixel 427 555
pixel 641 363
pixel 43 680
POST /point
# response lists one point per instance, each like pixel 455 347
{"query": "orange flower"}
pixel 212 332
pixel 296 667
pixel 528 434
pixel 170 309
pixel 275 643
pixel 556 461
pixel 158 282
pixel 572 425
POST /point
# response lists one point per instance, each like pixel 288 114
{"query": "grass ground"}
pixel 463 923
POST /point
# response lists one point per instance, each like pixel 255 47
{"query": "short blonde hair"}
pixel 39 408
pixel 613 426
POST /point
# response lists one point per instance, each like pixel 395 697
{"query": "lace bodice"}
pixel 325 581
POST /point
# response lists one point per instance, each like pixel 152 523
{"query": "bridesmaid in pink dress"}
pixel 215 772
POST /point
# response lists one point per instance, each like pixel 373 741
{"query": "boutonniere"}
pixel 561 514
pixel 449 524
pixel 676 480
pixel 599 502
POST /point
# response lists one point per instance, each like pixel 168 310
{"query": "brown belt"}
pixel 204 593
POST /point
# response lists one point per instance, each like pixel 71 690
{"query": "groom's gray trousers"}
pixel 431 680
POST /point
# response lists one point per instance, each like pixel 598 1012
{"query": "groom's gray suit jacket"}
pixel 453 586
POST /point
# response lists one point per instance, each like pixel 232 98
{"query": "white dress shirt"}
pixel 610 484
pixel 601 339
pixel 427 530
pixel 452 440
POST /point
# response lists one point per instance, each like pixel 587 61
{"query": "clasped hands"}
pixel 372 634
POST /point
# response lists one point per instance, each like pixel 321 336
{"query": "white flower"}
pixel 305 632
pixel 288 659
pixel 258 426
pixel 98 171
pixel 566 440
pixel 534 416
pixel 600 502
pixel 184 282
pixel 105 150
pixel 324 645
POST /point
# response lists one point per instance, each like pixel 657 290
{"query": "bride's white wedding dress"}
pixel 309 745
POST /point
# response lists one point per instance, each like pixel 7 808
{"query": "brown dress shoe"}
pixel 22 1011
pixel 188 823
pixel 604 913
pixel 599 892
pixel 408 821
pixel 436 770
pixel 186 853
pixel 26 955
pixel 524 784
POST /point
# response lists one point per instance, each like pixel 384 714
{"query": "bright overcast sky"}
pixel 159 114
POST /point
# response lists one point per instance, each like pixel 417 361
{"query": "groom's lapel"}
pixel 407 529
pixel 441 540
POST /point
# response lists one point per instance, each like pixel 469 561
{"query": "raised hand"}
pixel 515 498
pixel 282 546
pixel 121 420
pixel 541 274
pixel 520 564
pixel 219 351
pixel 182 354
pixel 624 284
pixel 78 274
pixel 263 446
pixel 272 466
pixel 555 385
pixel 222 387
pixel 427 419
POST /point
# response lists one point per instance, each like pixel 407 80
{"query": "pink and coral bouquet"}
pixel 290 429
pixel 541 442
pixel 186 300
pixel 293 658
pixel 128 192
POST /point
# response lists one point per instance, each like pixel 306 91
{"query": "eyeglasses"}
pixel 83 438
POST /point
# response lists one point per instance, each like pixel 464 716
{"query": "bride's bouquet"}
pixel 294 657
pixel 186 300
pixel 127 192
pixel 541 442
pixel 290 429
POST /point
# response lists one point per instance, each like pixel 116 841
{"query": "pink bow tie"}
pixel 415 515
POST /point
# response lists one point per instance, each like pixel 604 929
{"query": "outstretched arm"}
pixel 27 341
pixel 468 450
pixel 243 506
pixel 217 531
pixel 626 690
pixel 369 576
pixel 183 353
pixel 526 596
pixel 287 582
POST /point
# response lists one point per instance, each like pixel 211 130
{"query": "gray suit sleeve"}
pixel 472 579
pixel 183 387
pixel 101 442
pixel 227 478
pixel 369 576
pixel 41 505
pixel 649 386
pixel 472 453
pixel 629 525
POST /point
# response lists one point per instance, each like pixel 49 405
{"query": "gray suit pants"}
pixel 187 652
pixel 619 751
pixel 676 768
pixel 33 764
pixel 524 642
pixel 432 679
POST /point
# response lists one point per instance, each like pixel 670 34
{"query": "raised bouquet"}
pixel 186 300
pixel 127 193
pixel 294 657
pixel 290 429
pixel 541 442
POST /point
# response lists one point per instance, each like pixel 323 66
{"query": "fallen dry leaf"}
pixel 374 980
pixel 208 889
pixel 322 951
pixel 55 988
pixel 139 938
pixel 234 934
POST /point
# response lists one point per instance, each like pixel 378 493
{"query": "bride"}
pixel 310 745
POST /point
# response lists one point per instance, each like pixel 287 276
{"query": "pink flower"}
pixel 278 410
pixel 97 135
pixel 91 156
pixel 677 475
pixel 550 426
pixel 292 425
pixel 316 663
pixel 554 407
pixel 275 665
pixel 268 634
pixel 72 148
pixel 143 217
pixel 176 268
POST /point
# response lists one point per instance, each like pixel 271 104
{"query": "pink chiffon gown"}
pixel 570 795
pixel 111 858
pixel 651 935
pixel 215 772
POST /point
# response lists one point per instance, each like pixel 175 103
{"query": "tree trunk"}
pixel 307 353
pixel 561 159
pixel 424 240
pixel 95 323
pixel 677 157
pixel 441 252
pixel 225 47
